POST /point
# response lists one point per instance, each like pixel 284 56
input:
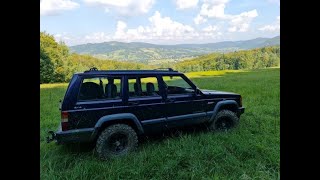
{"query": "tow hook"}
pixel 53 136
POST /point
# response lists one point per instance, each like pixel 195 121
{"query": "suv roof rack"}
pixel 168 69
pixel 92 69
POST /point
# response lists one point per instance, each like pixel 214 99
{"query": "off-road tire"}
pixel 224 121
pixel 105 146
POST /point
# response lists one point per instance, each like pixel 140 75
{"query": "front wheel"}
pixel 224 120
pixel 116 140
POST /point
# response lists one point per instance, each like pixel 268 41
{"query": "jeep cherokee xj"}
pixel 112 108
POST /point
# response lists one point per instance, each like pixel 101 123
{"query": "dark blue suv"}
pixel 113 108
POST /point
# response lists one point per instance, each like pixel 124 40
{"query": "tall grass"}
pixel 251 151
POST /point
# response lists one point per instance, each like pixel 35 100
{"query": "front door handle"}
pixel 170 100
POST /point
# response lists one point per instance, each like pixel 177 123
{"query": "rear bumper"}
pixel 240 110
pixel 72 136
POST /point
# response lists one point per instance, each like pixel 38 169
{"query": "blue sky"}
pixel 159 21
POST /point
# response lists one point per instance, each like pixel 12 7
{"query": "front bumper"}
pixel 72 136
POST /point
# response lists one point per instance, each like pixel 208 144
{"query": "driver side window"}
pixel 176 85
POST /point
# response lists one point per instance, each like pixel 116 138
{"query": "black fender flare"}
pixel 220 105
pixel 120 116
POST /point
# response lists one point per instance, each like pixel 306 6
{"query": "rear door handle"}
pixel 133 103
pixel 78 107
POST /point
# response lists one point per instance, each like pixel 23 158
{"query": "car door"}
pixel 183 105
pixel 199 103
pixel 147 106
pixel 93 101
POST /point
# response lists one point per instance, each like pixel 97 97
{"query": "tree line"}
pixel 244 59
pixel 57 64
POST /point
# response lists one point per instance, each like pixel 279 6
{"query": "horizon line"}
pixel 173 44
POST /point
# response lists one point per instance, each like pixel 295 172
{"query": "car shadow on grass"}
pixel 143 140
pixel 88 149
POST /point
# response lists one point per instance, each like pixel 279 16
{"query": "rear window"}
pixel 100 88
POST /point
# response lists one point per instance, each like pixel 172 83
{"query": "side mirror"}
pixel 197 91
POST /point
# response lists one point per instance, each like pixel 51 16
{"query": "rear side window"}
pixel 143 87
pixel 99 88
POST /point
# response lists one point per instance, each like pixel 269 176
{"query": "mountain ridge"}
pixel 145 52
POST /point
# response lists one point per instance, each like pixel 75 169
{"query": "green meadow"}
pixel 250 151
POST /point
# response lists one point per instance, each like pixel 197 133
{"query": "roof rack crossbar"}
pixel 168 69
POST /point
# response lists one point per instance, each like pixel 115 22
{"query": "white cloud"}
pixel 185 4
pixel 270 28
pixel 120 31
pixel 210 28
pixel 215 9
pixel 124 7
pixel 199 19
pixel 165 29
pixel 275 27
pixel 164 26
pixel 159 29
pixel 63 37
pixel 216 2
pixel 242 21
pixel 211 31
pixel 232 29
pixel 97 37
pixel 121 26
pixel 54 7
pixel 210 9
pixel 71 39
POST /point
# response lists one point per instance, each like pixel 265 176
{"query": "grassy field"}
pixel 251 151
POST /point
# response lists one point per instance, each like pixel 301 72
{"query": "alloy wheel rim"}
pixel 117 143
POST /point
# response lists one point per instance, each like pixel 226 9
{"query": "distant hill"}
pixel 245 59
pixel 146 52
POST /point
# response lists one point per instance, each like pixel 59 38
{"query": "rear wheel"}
pixel 224 120
pixel 116 140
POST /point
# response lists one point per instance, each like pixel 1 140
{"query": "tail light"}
pixel 240 101
pixel 64 121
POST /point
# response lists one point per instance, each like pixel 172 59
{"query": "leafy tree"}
pixel 57 53
pixel 46 68
pixel 245 59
